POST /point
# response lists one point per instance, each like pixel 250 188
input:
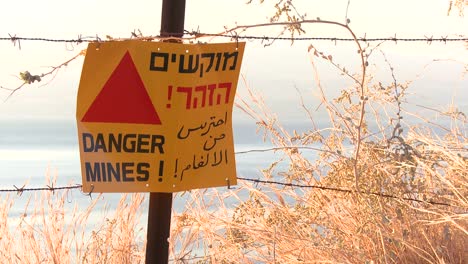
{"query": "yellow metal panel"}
pixel 157 117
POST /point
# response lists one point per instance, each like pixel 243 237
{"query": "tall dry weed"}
pixel 53 229
pixel 403 185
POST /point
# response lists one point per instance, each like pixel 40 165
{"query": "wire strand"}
pixel 335 189
pixel 21 190
pixel 196 35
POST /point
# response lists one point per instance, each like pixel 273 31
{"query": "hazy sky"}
pixel 275 71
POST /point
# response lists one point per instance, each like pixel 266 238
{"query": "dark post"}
pixel 160 204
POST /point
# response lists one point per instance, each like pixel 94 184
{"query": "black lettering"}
pixel 92 175
pixel 154 67
pixel 191 67
pixel 126 171
pixel 218 57
pixel 103 170
pixel 161 168
pixel 86 147
pixel 115 143
pixel 142 143
pixel 211 56
pixel 128 141
pixel 143 171
pixel 157 141
pixel 100 143
pixel 227 56
pixel 113 173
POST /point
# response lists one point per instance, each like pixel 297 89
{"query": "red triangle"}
pixel 123 99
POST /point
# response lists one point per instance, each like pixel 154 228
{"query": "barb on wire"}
pixel 336 189
pixel 15 40
pixel 19 191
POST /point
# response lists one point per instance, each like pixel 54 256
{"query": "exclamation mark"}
pixel 161 170
pixel 169 96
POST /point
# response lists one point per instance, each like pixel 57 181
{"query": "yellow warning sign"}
pixel 157 117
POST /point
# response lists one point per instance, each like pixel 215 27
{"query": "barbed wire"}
pixel 363 39
pixel 336 189
pixel 196 35
pixel 21 190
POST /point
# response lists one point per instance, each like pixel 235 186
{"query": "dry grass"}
pixel 285 225
pixel 369 148
pixel 53 230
